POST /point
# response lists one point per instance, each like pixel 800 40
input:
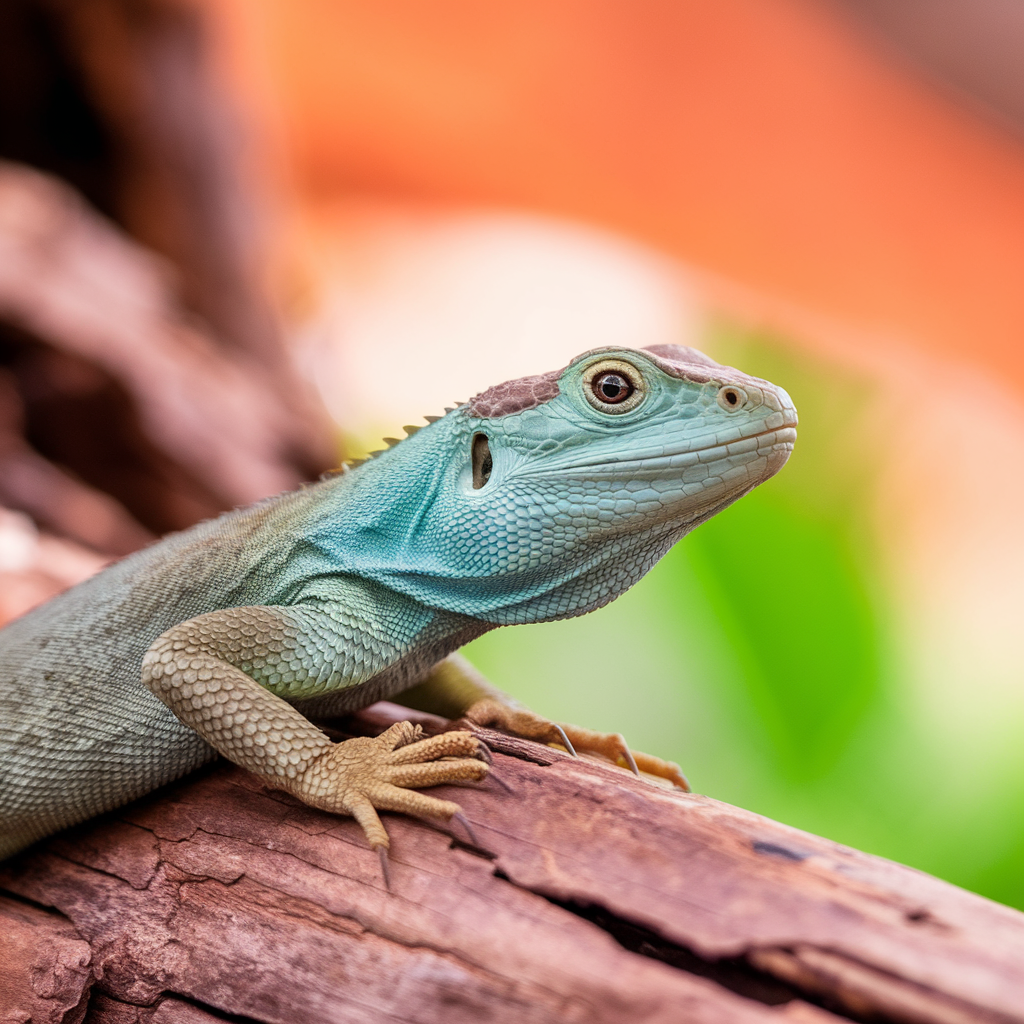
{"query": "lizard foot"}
pixel 610 745
pixel 367 774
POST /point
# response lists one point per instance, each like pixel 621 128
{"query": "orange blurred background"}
pixel 775 146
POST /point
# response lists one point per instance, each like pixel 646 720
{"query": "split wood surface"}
pixel 583 895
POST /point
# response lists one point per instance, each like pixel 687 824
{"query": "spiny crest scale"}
pixel 410 431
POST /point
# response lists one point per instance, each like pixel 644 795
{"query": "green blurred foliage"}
pixel 761 655
pixel 765 568
pixel 787 571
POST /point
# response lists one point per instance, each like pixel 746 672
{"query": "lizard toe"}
pixel 418 776
pixel 446 744
pixel 386 797
pixel 610 746
pixel 399 736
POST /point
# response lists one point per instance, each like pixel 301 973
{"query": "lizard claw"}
pixel 462 820
pixel 501 782
pixel 566 742
pixel 483 752
pixel 385 867
pixel 630 759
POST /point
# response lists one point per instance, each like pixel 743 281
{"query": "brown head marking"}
pixel 681 354
pixel 529 392
pixel 515 395
pixel 689 364
pixel 682 361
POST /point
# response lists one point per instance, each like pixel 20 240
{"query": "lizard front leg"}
pixel 203 669
pixel 456 689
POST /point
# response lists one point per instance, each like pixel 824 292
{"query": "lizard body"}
pixel 540 499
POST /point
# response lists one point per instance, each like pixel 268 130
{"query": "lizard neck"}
pixel 415 557
pixel 391 522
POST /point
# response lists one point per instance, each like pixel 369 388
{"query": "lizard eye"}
pixel 613 386
pixel 731 398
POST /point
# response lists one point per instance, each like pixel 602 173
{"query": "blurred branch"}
pixel 969 47
pixel 75 282
pixel 54 498
pixel 118 98
pixel 147 385
pixel 146 70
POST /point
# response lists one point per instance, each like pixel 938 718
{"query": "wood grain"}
pixel 583 894
pixel 44 967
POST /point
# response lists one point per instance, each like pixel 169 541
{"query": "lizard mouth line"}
pixel 786 434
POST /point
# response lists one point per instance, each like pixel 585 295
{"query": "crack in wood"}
pixel 169 1008
pixel 774 976
pixel 736 974
pixel 863 992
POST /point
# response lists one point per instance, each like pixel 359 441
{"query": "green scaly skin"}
pixel 540 499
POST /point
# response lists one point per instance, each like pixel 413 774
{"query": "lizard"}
pixel 539 499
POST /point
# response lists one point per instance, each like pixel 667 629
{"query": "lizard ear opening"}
pixel 482 463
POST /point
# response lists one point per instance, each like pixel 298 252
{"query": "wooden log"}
pixel 178 150
pixel 54 498
pixel 73 281
pixel 44 967
pixel 186 190
pixel 582 894
pixel 151 383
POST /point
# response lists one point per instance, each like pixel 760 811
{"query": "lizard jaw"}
pixel 784 437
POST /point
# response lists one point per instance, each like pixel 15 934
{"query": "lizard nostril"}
pixel 482 462
pixel 731 398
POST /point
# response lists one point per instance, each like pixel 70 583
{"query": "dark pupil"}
pixel 612 388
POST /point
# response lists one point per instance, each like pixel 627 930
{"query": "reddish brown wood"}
pixel 73 281
pixel 582 895
pixel 104 1010
pixel 144 382
pixel 44 967
pixel 177 149
pixel 54 498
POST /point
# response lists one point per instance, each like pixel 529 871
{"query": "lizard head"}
pixel 551 495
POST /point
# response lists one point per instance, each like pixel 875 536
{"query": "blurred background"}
pixel 241 239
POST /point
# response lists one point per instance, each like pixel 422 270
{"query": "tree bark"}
pixel 144 382
pixel 191 427
pixel 582 894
